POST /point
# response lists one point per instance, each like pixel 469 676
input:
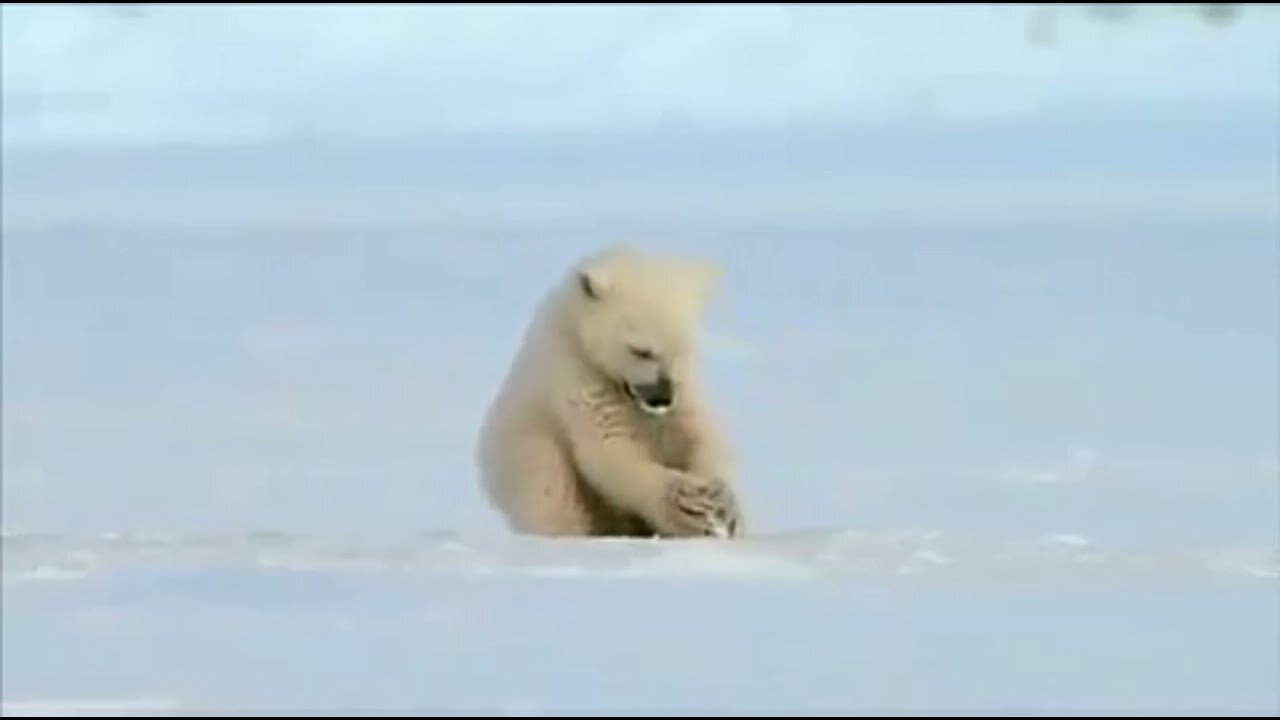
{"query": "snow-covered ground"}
pixel 820 623
pixel 997 342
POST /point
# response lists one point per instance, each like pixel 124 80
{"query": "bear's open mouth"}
pixel 655 398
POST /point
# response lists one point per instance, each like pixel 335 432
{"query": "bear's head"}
pixel 636 317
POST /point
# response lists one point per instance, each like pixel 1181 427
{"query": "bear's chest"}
pixel 664 439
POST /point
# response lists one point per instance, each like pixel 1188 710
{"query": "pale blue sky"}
pixel 264 267
pixel 220 72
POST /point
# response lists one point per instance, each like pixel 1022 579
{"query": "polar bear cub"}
pixel 601 426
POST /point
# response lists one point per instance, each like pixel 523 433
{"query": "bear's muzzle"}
pixel 656 397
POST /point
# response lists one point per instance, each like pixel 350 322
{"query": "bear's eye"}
pixel 642 353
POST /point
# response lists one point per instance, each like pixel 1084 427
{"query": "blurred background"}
pixel 1003 268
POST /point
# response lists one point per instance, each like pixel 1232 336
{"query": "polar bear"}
pixel 601 427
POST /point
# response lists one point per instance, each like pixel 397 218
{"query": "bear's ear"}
pixel 593 282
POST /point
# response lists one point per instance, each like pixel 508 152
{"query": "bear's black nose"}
pixel 659 393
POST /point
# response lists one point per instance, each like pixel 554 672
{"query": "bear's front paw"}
pixel 702 507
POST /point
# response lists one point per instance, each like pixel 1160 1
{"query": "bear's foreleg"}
pixel 628 478
pixel 706 455
pixel 672 502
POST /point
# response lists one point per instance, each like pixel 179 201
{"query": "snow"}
pixel 860 622
pixel 93 707
pixel 996 344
